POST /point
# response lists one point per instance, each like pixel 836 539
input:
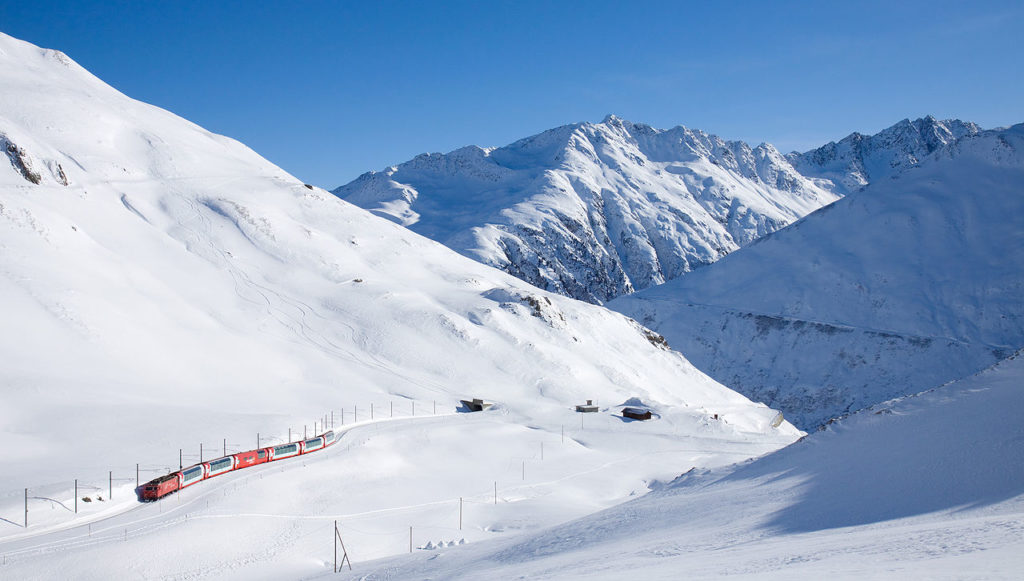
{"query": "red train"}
pixel 160 487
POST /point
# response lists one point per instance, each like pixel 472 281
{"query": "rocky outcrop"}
pixel 595 211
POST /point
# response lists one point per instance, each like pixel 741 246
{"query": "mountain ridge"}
pixel 857 159
pixel 594 210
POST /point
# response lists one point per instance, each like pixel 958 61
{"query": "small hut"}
pixel 476 404
pixel 588 408
pixel 636 414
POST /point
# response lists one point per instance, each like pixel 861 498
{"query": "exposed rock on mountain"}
pixel 857 160
pixel 594 211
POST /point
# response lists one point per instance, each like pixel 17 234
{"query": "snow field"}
pixel 181 289
pixel 381 478
pixel 928 486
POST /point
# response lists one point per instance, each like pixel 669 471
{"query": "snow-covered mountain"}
pixel 857 160
pixel 913 281
pixel 162 286
pixel 595 210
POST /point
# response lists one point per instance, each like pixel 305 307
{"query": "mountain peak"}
pixel 612 119
pixel 575 209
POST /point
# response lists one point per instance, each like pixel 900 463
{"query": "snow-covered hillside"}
pixel 925 487
pixel 904 285
pixel 594 211
pixel 162 287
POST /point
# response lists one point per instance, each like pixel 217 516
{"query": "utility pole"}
pixel 110 484
pixel 460 513
pixel 180 465
pixel 344 551
pixel 76 496
pixel 26 510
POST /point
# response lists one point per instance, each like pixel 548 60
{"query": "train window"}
pixel 192 473
pixel 262 454
pixel 286 449
pixel 220 464
pixel 313 442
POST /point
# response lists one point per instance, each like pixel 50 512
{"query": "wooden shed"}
pixel 587 408
pixel 636 414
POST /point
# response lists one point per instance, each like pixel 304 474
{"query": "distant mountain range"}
pixel 595 210
pixel 598 210
pixel 857 160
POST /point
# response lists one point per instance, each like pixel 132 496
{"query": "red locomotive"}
pixel 160 487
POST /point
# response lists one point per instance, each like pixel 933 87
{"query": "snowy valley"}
pixel 598 211
pixel 170 296
pixel 923 286
pixel 165 288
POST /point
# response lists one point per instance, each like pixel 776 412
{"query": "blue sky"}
pixel 328 90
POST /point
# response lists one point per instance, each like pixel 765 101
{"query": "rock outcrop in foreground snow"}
pixel 595 210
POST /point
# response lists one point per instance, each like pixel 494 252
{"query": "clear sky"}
pixel 329 90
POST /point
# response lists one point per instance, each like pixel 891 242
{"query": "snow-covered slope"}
pixel 594 211
pixel 926 487
pixel 162 287
pixel 857 160
pixel 904 285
